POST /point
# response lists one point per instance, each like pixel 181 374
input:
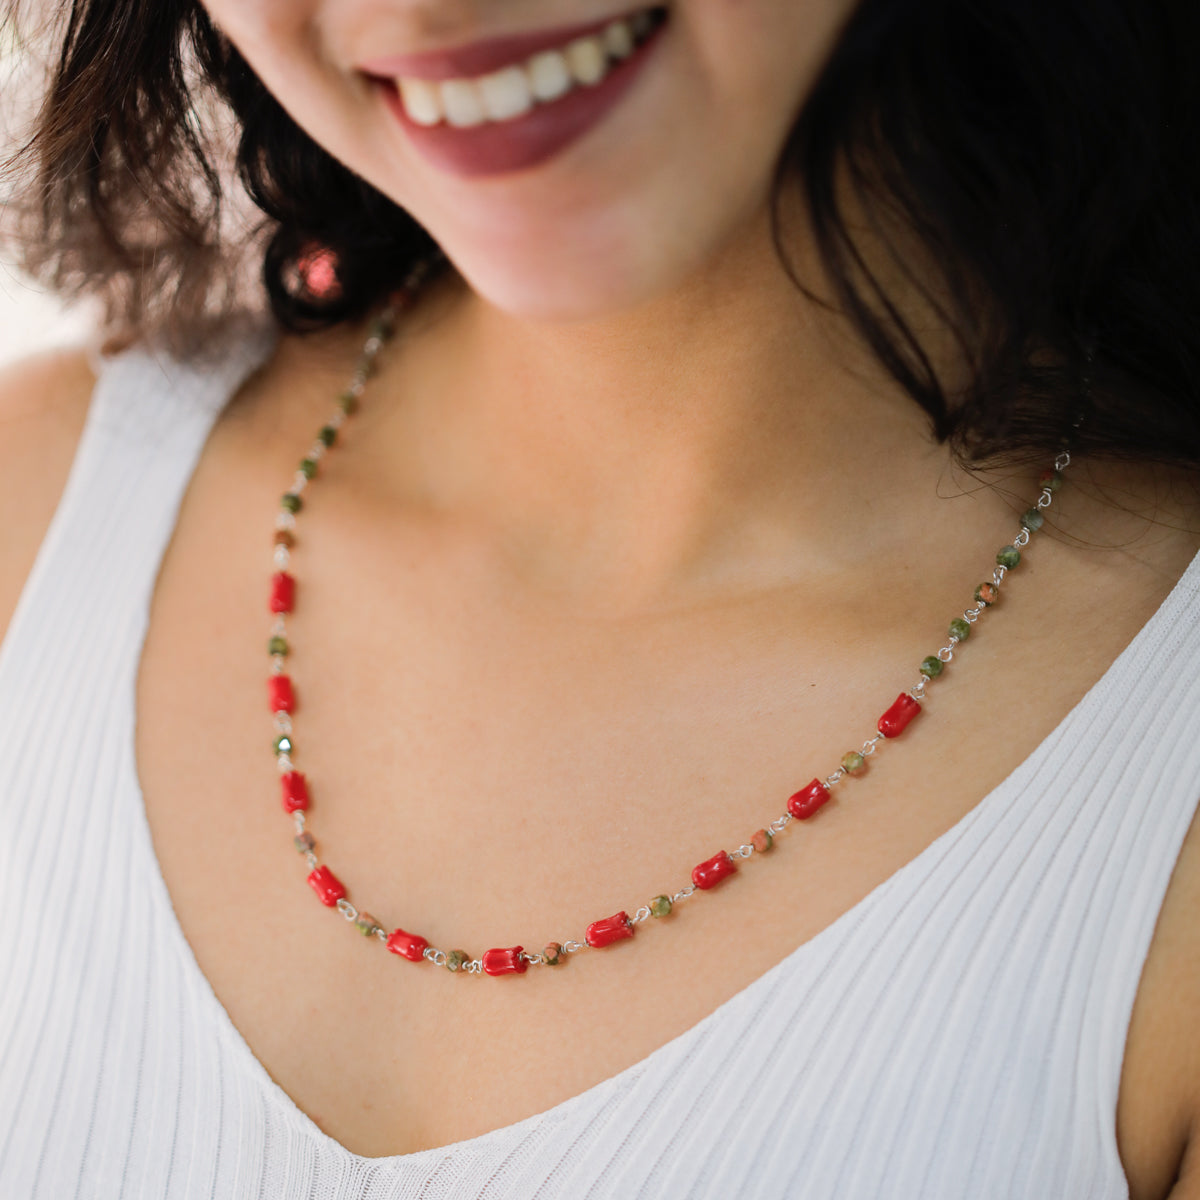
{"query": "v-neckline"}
pixel 936 855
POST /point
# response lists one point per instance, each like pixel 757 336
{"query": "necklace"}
pixel 514 960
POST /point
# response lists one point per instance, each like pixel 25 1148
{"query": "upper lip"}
pixel 480 58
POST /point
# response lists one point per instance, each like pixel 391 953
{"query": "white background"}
pixel 29 320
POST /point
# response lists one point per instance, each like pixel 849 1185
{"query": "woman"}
pixel 637 524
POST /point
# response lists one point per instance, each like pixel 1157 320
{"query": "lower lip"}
pixel 496 148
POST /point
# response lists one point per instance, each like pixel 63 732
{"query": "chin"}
pixel 572 280
pixel 554 298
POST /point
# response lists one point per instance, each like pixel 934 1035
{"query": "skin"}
pixel 607 544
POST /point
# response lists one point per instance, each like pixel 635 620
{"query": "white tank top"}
pixel 957 1034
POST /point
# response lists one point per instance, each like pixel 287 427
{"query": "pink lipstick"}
pixel 518 143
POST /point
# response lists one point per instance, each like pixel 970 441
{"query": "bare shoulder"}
pixel 43 403
pixel 1158 1116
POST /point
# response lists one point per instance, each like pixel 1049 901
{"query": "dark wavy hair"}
pixel 1042 155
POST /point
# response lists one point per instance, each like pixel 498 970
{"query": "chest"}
pixel 488 772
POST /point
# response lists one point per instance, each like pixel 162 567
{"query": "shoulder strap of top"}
pixel 144 394
pixel 149 417
pixel 1138 758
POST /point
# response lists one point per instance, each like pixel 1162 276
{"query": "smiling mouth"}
pixel 532 98
pixel 538 80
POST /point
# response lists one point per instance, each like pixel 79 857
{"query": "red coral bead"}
pixel 505 962
pixel 894 722
pixel 712 871
pixel 295 791
pixel 283 592
pixel 327 886
pixel 407 945
pixel 807 800
pixel 279 693
pixel 611 929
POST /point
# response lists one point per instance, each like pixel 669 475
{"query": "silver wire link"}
pixel 313 861
pixel 743 851
pixel 642 914
pixel 1045 499
pixel 869 746
pixel 778 825
pixel 381 934
pixel 1063 461
pixel 299 819
pixel 683 893
pixel 283 722
pixel 437 957
pixel 570 946
pixel 347 909
pixel 1022 538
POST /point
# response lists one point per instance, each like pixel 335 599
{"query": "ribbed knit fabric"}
pixel 958 1034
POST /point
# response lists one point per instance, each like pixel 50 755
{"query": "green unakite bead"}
pixel 986 594
pixel 308 467
pixel 291 502
pixel 456 960
pixel 305 842
pixel 327 435
pixel 853 761
pixel 932 666
pixel 348 403
pixel 1032 519
pixel 762 840
pixel 277 645
pixel 552 954
pixel 1008 557
pixel 1051 481
pixel 660 906
pixel 960 629
pixel 283 744
pixel 366 924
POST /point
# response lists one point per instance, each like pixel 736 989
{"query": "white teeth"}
pixel 506 94
pixel 462 102
pixel 421 100
pixel 618 40
pixel 549 75
pixel 587 60
pixel 512 91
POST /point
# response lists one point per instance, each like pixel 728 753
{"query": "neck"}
pixel 729 434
